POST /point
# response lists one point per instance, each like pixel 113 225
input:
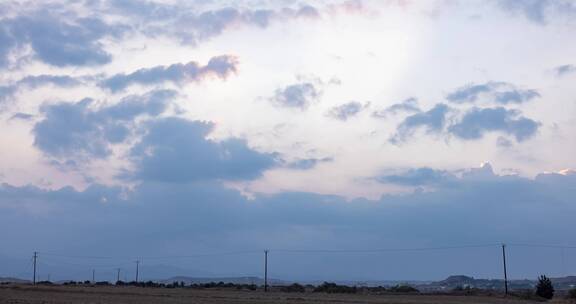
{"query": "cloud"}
pixel 33 82
pixel 6 93
pixel 409 105
pixel 80 130
pixel 565 70
pixel 22 116
pixel 58 40
pixel 219 66
pixel 498 92
pixel 438 179
pixel 504 142
pixel 177 150
pixel 192 24
pixel 348 110
pixel 538 11
pixel 298 95
pixel 207 217
pixel 36 81
pixel 432 121
pixel 417 177
pixel 477 122
pixel 7 43
pixel 308 163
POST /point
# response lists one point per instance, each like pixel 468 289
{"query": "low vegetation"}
pixel 293 288
pixel 572 294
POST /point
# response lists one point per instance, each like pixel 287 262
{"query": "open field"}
pixel 27 294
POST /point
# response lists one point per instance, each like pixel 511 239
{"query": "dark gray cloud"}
pixel 298 95
pixel 539 11
pixel 477 122
pixel 498 92
pixel 195 22
pixel 219 66
pixel 176 150
pixel 22 116
pixel 515 96
pixel 348 110
pixel 409 105
pixel 7 43
pixel 439 179
pixel 417 177
pixel 77 129
pixel 432 121
pixel 40 80
pixel 6 93
pixel 565 70
pixel 58 40
pixel 32 82
pixel 207 217
pixel 308 163
pixel 202 25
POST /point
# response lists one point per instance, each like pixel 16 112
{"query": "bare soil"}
pixel 27 294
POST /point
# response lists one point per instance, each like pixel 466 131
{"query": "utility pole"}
pixel 265 270
pixel 34 276
pixel 137 269
pixel 93 276
pixel 117 275
pixel 505 272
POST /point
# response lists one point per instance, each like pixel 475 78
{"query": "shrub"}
pixel 293 288
pixel 572 294
pixel 544 288
pixel 335 288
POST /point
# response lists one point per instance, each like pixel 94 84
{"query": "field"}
pixel 27 294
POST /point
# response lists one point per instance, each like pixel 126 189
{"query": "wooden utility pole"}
pixel 265 270
pixel 505 271
pixel 34 275
pixel 137 269
pixel 93 276
pixel 117 275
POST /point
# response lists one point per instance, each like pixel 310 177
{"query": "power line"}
pixel 381 250
pixel 542 246
pixel 151 257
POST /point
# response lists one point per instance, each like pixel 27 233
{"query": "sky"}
pixel 193 135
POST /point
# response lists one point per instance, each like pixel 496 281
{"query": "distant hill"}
pixel 563 283
pixel 13 280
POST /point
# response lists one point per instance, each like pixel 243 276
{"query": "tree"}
pixel 544 288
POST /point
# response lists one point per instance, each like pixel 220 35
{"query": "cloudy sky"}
pixel 172 128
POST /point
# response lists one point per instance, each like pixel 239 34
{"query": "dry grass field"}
pixel 26 294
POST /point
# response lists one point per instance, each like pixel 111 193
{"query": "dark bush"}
pixel 544 288
pixel 572 294
pixel 335 288
pixel 293 288
pixel 403 289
